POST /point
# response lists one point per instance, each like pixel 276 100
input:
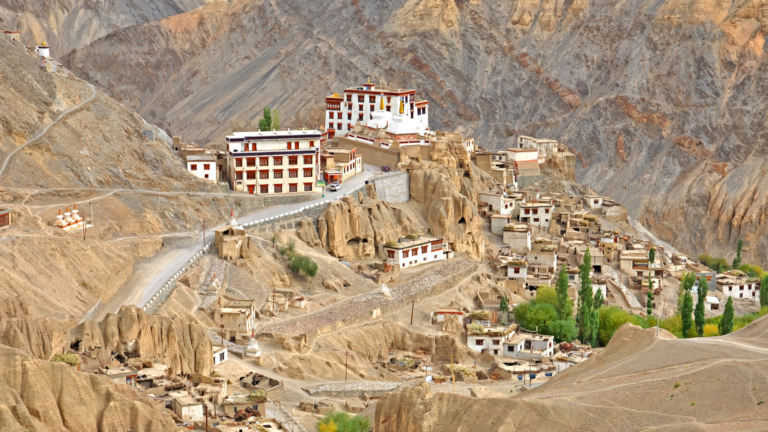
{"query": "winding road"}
pixel 39 134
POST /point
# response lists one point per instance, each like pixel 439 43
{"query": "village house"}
pixel 593 201
pixel 542 254
pixel 525 164
pixel 235 403
pixel 5 218
pixel 596 257
pixel 546 148
pixel 442 312
pixel 517 269
pixel 409 252
pixel 498 222
pixel 702 273
pixel 273 162
pixel 340 164
pixel 187 408
pixel 14 35
pixel 488 301
pixel 518 237
pixel 536 213
pixel 737 285
pixel 235 316
pixel 712 303
pixel 203 167
pixel 530 347
pixel 488 339
pixel 220 354
pixel 229 241
pixel 497 202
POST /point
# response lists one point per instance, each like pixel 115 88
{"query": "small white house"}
pixel 43 50
pixel 529 347
pixel 220 354
pixel 517 270
pixel 410 252
pixel 712 303
pixel 517 237
pixel 537 213
pixel 498 222
pixel 593 201
pixel 203 166
pixel 488 340
pixel 739 287
pixel 188 408
pixel 442 312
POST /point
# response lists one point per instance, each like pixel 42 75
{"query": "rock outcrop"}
pixel 39 336
pixel 37 395
pixel 181 343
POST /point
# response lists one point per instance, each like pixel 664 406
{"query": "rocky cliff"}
pixel 640 382
pixel 37 395
pixel 659 101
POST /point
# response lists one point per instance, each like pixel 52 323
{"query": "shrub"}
pixel 390 244
pixel 303 264
pixel 70 359
pixel 711 330
pixel 613 317
pixel 343 422
pixel 677 385
pixel 563 330
pixel 412 236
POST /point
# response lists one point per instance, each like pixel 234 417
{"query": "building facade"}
pixel 203 167
pixel 408 253
pixel 273 162
pixel 5 218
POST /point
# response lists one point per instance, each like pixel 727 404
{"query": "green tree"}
pixel 564 330
pixel 764 291
pixel 686 312
pixel 265 124
pixel 613 317
pixel 649 303
pixel 504 304
pixel 699 317
pixel 726 322
pixel 539 316
pixel 546 295
pixel 585 299
pixel 652 256
pixel 595 317
pixel 737 260
pixel 275 120
pixel 344 422
pixel 686 284
pixel 564 303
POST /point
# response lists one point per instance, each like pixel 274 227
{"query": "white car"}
pixel 335 187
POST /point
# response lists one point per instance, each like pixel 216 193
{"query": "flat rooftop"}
pixel 406 243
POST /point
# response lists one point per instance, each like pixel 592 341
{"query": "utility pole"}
pixel 85 222
pixel 412 306
pixel 475 374
pixel 222 334
pixel 205 410
pixel 453 374
pixel 346 365
pixel 90 207
pixel 204 237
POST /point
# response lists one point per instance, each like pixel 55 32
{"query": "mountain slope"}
pixel 661 100
pixel 640 382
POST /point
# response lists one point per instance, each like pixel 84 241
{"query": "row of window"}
pixel 276 160
pixel 535 211
pixel 372 98
pixel 278 188
pixel 264 174
pixel 741 288
pixel 193 167
pixel 289 146
pixel 415 251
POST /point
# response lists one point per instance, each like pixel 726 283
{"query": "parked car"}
pixel 335 187
pixel 384 168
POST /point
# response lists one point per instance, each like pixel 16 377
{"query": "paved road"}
pixel 45 130
pixel 151 275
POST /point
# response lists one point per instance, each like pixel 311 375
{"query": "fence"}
pixel 171 283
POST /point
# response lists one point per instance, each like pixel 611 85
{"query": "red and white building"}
pixel 340 164
pixel 274 162
pixel 408 253
pixel 377 107
pixel 203 166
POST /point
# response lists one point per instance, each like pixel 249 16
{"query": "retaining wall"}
pixel 393 186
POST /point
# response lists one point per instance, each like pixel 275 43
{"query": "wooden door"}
pixel 250 188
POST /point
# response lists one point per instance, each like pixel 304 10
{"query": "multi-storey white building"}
pixel 537 213
pixel 203 166
pixel 739 286
pixel 489 340
pixel 529 347
pixel 273 162
pixel 378 107
pixel 409 253
pixel 545 147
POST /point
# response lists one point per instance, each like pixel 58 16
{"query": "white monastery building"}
pixel 273 162
pixel 408 253
pixel 203 166
pixel 377 107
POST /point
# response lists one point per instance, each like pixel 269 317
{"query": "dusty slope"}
pixel 37 395
pixel 629 386
pixel 74 23
pixel 660 97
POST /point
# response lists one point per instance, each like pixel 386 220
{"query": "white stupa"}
pixel 385 291
pixel 233 222
pixel 253 352
pixel 60 220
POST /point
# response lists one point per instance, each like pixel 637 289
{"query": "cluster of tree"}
pixel 588 317
pixel 271 120
pixel 551 312
pixel 343 422
pixel 720 265
pixel 297 263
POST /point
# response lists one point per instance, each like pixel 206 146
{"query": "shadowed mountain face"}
pixel 71 24
pixel 663 102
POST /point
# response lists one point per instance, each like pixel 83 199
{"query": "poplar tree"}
pixel 275 120
pixel 595 317
pixel 726 322
pixel 265 124
pixel 649 302
pixel 564 307
pixel 687 312
pixel 651 256
pixel 585 299
pixel 700 307
pixel 764 291
pixel 737 260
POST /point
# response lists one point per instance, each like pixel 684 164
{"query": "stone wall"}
pixel 393 186
pixel 353 389
pixel 523 182
pixel 372 155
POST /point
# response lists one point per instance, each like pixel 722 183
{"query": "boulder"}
pixel 307 233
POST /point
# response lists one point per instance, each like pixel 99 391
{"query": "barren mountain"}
pixel 69 24
pixel 661 101
pixel 640 382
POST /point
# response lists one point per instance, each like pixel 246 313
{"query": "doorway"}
pixel 250 189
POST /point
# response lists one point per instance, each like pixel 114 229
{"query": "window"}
pixel 423 249
pixel 479 341
pixel 221 357
pixel 361 99
pixel 206 167
pixel 371 107
pixel 278 174
pixel 264 188
pixel 293 160
pixel 278 160
pixel 405 254
pixel 360 117
pixel 293 187
pixel 263 161
pixel 307 187
pixel 308 160
pixel 250 162
pixel 206 176
pixel 436 246
pixel 535 211
pixel 296 145
pixel 546 211
pixel 308 172
pixel 238 162
pixel 730 288
pixel 639 274
pixel 289 145
pixel 510 348
pixel 415 251
pixel 349 116
pixel 251 175
pixel 245 147
pixel 535 219
pixel 517 271
pixel 527 211
pixel 264 174
pixel 371 99
pixel 239 175
pixel 279 188
pixel 741 287
pixel 338 126
pixel 312 143
pixel 349 98
pixel 391 254
pixel 496 342
pixel 293 173
pixel 193 167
